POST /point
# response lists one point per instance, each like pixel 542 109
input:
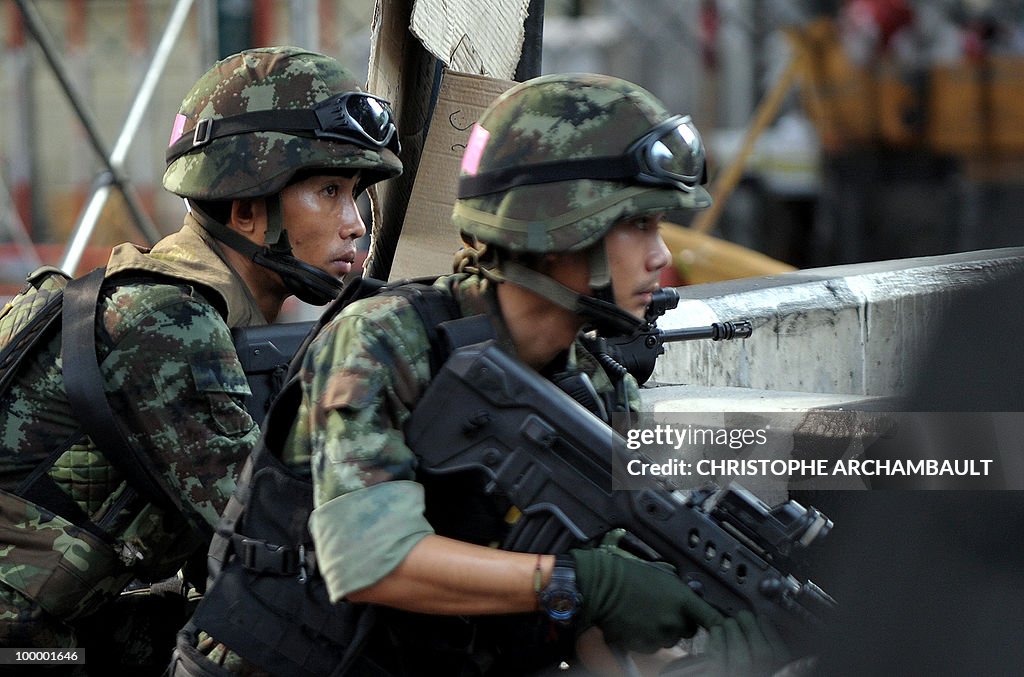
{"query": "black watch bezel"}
pixel 561 599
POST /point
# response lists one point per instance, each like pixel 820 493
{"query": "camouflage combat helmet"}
pixel 259 116
pixel 554 162
pixel 256 119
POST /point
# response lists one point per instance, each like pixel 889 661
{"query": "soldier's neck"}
pixel 540 330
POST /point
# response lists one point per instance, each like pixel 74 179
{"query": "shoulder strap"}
pixel 442 319
pixel 439 313
pixel 276 426
pixel 358 288
pixel 433 307
pixel 84 385
pixel 38 487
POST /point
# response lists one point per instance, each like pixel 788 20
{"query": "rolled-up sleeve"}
pixel 363 375
pixel 383 523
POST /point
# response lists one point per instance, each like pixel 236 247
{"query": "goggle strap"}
pixel 302 122
pixel 209 129
pixel 613 168
pixel 570 217
pixel 626 167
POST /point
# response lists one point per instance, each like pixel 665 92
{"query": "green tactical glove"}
pixel 745 645
pixel 638 605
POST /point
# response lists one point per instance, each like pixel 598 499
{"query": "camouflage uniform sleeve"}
pixel 364 374
pixel 178 386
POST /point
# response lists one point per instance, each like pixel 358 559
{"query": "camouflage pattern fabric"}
pixel 177 386
pixel 362 377
pixel 562 117
pixel 262 163
pixel 18 313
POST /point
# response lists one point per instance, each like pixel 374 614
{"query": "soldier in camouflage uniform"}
pixel 270 149
pixel 563 184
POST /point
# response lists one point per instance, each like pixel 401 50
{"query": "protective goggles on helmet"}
pixel 671 155
pixel 357 118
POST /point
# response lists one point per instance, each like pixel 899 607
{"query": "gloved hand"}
pixel 745 645
pixel 638 605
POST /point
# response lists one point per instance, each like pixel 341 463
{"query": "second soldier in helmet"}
pixel 269 148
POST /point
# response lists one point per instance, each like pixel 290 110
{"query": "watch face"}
pixel 561 599
pixel 561 605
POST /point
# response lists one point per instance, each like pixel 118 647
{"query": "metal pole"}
pixel 766 112
pixel 304 17
pixel 90 215
pixel 35 25
pixel 529 65
pixel 208 20
pixel 15 227
pixel 161 55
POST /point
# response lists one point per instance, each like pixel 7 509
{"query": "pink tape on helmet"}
pixel 474 150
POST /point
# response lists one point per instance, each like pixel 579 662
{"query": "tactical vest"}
pixel 52 302
pixel 267 601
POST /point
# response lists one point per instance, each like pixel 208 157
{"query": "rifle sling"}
pixel 84 385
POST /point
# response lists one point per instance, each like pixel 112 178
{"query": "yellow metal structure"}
pixel 698 257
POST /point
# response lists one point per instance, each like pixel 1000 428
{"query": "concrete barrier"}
pixel 821 337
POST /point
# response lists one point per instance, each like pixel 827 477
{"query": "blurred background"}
pixel 838 131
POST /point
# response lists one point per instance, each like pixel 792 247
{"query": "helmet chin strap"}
pixel 607 318
pixel 309 283
pixel 599 309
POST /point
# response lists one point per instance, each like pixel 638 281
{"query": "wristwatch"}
pixel 560 598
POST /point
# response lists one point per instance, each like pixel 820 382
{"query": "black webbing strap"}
pixel 433 308
pixel 611 168
pixel 84 385
pixel 40 488
pixel 296 122
pixel 359 288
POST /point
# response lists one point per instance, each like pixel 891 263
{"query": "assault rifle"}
pixel 265 353
pixel 554 461
pixel 639 351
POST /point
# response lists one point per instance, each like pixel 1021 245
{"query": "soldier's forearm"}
pixel 444 576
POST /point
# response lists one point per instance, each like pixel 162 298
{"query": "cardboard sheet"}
pixel 472 36
pixel 402 71
pixel 429 240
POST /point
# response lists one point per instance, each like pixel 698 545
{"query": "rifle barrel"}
pixel 716 331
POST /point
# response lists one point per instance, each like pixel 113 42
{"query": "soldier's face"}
pixel 636 255
pixel 323 221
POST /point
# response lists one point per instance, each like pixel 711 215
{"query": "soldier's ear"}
pixel 248 216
